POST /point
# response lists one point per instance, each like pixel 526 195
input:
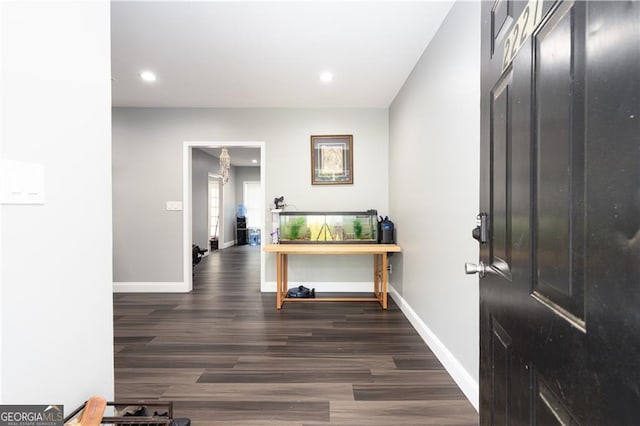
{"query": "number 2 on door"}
pixel 526 23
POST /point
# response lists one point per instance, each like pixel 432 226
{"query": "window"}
pixel 214 206
pixel 252 203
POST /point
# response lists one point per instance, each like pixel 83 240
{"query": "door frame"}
pixel 187 203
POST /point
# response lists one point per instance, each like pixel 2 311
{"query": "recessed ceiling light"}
pixel 254 161
pixel 326 77
pixel 148 76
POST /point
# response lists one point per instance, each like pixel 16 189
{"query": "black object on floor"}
pixel 196 256
pixel 302 292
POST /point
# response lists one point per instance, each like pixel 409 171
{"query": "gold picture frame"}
pixel 332 160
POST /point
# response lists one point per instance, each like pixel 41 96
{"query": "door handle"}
pixel 472 268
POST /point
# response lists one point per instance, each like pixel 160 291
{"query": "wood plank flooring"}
pixel 226 356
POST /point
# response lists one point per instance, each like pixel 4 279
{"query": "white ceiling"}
pixel 267 53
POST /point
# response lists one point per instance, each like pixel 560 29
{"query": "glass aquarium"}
pixel 328 227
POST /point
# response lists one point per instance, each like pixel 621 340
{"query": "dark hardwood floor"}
pixel 226 356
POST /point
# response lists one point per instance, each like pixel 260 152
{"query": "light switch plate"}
pixel 21 182
pixel 174 205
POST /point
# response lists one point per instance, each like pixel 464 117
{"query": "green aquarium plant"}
pixel 357 228
pixel 294 228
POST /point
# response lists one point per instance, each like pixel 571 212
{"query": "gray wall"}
pixel 56 315
pixel 147 159
pixel 434 125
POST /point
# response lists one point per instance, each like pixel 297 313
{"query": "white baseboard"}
pixel 331 287
pixel 149 287
pixel 463 379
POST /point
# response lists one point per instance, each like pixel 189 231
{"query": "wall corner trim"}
pixel 463 379
pixel 150 287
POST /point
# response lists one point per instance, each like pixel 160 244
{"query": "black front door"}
pixel 560 186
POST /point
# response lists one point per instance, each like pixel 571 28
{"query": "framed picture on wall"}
pixel 332 160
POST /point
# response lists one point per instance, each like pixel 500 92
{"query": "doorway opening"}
pixel 187 196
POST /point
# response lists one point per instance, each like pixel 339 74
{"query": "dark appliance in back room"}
pixel 241 230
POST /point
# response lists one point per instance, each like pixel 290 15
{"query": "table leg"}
pixel 384 280
pixel 278 280
pixel 376 275
pixel 285 275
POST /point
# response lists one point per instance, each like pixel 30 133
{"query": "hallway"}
pixel 225 355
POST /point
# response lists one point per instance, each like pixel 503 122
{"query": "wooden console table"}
pixel 379 252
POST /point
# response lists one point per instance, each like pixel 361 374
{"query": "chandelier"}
pixel 225 163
